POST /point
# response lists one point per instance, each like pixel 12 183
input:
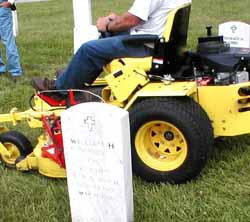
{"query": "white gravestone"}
pixel 237 34
pixel 84 30
pixel 15 23
pixel 96 139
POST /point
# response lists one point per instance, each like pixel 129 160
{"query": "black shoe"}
pixel 43 84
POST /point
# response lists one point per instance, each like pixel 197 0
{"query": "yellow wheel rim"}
pixel 161 146
pixel 14 153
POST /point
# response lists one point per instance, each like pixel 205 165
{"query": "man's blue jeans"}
pixel 8 39
pixel 88 61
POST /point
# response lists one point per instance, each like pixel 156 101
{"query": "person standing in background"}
pixel 13 65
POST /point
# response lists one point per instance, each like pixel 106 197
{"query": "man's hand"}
pixel 5 5
pixel 101 23
pixel 112 16
pixel 118 23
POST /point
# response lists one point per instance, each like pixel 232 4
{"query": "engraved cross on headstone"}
pixel 90 122
pixel 233 28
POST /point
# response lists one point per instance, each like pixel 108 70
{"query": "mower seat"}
pixel 167 49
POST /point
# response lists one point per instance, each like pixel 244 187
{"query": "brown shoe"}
pixel 43 84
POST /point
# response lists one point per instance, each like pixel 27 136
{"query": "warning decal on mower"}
pixel 158 61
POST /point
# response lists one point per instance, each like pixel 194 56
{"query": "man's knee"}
pixel 90 49
pixel 88 46
pixel 83 48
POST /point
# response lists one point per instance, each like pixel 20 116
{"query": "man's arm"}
pixel 116 23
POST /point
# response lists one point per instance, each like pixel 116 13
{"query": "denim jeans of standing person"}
pixel 8 40
pixel 87 63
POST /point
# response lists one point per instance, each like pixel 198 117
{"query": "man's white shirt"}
pixel 154 15
pixel 11 1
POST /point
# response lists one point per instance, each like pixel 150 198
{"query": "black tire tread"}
pixel 19 140
pixel 195 117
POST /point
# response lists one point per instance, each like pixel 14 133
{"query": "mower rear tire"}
pixel 17 144
pixel 171 139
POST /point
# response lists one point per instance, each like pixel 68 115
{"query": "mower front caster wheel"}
pixel 17 144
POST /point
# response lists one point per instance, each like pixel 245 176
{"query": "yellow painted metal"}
pixel 170 21
pixel 49 168
pixel 165 89
pixel 141 63
pixel 29 163
pixel 125 81
pixel 9 153
pixel 161 146
pixel 4 152
pixel 42 139
pixel 33 117
pixel 109 97
pixel 99 82
pixel 3 129
pixel 45 166
pixel 227 108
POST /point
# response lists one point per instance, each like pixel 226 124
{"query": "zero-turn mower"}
pixel 178 102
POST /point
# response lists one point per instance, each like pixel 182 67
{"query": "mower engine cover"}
pixel 215 56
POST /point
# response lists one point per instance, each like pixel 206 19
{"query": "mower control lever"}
pixel 209 30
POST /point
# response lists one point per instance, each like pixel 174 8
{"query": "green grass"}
pixel 221 193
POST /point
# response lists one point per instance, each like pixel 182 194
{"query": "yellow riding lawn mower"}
pixel 178 102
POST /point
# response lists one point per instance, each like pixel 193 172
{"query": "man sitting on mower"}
pixel 144 17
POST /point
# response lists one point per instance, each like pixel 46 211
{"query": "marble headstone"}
pixel 84 30
pixel 96 139
pixel 237 34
